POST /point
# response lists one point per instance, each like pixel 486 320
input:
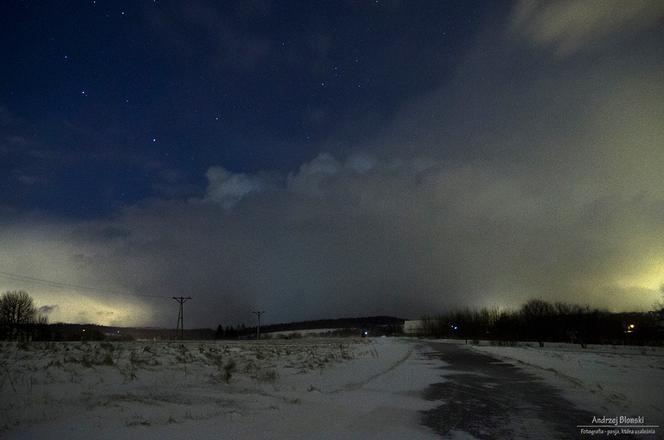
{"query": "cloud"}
pixel 227 188
pixel 399 238
pixel 30 180
pixel 567 26
pixel 517 178
pixel 47 309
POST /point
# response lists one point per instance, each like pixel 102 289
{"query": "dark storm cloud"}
pixel 531 172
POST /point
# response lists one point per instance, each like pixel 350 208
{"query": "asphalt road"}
pixel 491 399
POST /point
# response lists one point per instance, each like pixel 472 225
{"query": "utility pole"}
pixel 180 327
pixel 258 314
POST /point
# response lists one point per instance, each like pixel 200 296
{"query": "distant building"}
pixel 412 327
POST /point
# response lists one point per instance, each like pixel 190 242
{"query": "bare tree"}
pixel 16 309
pixel 538 318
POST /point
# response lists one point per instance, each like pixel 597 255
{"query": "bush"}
pixel 229 369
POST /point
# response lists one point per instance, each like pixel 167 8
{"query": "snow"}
pixel 309 388
pixel 611 380
pixel 305 388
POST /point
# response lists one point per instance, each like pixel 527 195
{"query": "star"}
pixel 154 139
pixel 84 93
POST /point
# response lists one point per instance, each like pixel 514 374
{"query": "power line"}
pixel 64 285
pixel 258 314
pixel 181 300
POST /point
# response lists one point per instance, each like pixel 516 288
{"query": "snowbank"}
pixel 623 380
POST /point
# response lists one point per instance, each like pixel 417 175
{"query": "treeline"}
pixel 367 322
pixel 384 325
pixel 92 332
pixel 230 332
pixel 541 321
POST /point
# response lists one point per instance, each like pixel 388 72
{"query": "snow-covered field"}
pixel 305 388
pixel 611 380
pixel 325 388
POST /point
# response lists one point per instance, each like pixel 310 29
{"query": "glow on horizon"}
pixel 79 308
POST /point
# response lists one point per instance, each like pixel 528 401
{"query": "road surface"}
pixel 488 398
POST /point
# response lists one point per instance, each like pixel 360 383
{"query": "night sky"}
pixel 114 102
pixel 324 159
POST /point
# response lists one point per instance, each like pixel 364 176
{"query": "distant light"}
pixel 366 333
pixel 154 139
